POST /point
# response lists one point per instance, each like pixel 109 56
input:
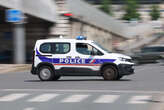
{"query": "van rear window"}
pixel 55 48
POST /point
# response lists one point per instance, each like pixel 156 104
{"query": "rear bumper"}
pixel 33 70
pixel 125 69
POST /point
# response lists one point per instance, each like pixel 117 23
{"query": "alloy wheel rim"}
pixel 109 73
pixel 45 73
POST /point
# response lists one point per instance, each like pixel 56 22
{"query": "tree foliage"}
pixel 131 10
pixel 106 6
pixel 155 13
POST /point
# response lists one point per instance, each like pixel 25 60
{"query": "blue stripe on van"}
pixel 73 60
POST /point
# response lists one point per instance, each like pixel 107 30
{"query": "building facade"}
pixel 35 26
pixel 52 18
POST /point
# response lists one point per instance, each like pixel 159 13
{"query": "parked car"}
pixel 149 54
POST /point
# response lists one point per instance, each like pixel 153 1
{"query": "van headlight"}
pixel 125 59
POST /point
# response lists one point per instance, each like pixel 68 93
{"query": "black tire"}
pixel 119 77
pixel 110 73
pixel 56 78
pixel 46 73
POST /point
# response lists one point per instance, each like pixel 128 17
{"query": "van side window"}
pixel 61 48
pixel 97 52
pixel 83 48
pixel 46 48
pixel 87 49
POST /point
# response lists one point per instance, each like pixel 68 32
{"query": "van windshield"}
pixel 106 50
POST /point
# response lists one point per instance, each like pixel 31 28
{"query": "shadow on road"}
pixel 81 80
pixel 32 81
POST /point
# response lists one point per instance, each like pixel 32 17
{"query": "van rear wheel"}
pixel 110 73
pixel 46 73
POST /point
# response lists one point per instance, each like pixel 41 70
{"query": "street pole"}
pixel 17 17
pixel 19 43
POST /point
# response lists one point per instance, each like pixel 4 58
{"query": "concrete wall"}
pixel 87 21
pixel 75 27
pixel 45 9
pixel 92 33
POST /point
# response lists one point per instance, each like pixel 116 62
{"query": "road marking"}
pixel 74 98
pixel 139 99
pixel 13 97
pixel 107 99
pixel 78 90
pixel 43 98
pixel 30 108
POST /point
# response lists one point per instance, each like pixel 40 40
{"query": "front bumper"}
pixel 125 69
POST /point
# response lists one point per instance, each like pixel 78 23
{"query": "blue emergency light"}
pixel 81 38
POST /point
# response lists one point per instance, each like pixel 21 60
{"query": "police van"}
pixel 53 58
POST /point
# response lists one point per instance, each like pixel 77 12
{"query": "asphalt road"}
pixel 142 91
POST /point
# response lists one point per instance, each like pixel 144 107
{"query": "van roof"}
pixel 62 40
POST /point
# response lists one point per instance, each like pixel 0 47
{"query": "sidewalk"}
pixel 5 68
pixel 158 102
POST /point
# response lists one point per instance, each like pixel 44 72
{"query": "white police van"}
pixel 53 58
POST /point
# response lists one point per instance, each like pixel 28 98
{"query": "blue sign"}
pixel 13 15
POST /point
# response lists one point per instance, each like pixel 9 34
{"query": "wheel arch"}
pixel 108 64
pixel 45 64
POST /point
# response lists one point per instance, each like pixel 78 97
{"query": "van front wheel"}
pixel 110 73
